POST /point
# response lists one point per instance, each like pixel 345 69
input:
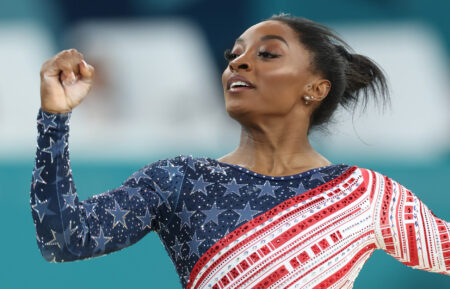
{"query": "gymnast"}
pixel 273 213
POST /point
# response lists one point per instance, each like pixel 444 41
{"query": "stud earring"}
pixel 308 98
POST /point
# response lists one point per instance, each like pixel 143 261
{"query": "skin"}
pixel 274 117
pixel 66 79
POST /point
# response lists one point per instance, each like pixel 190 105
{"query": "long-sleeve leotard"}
pixel 225 226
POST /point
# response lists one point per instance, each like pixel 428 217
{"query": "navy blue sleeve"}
pixel 69 229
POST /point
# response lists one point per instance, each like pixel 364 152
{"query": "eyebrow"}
pixel 267 37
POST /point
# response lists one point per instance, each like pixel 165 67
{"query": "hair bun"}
pixel 354 78
pixel 344 52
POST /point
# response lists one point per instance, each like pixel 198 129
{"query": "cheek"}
pixel 280 87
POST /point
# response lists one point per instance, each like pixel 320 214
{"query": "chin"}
pixel 238 111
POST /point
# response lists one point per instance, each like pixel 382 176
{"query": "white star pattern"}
pixel 218 169
pixel 69 199
pixel 41 208
pixel 233 187
pixel 101 240
pixel 37 176
pixel 55 148
pixel 267 189
pixel 191 202
pixel 47 121
pixel 119 214
pixel 146 220
pixel 199 185
pixel 137 176
pixel 172 170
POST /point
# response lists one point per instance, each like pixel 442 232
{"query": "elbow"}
pixel 49 255
pixel 55 255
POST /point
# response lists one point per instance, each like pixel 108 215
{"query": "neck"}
pixel 276 149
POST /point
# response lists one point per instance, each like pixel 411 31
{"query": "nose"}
pixel 240 62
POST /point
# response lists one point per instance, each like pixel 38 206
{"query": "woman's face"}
pixel 270 56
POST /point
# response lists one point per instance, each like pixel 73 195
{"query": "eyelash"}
pixel 230 56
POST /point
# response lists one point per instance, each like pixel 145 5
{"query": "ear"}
pixel 319 89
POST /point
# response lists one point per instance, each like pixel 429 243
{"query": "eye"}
pixel 265 54
pixel 228 55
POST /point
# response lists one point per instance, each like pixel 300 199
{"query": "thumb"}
pixel 86 71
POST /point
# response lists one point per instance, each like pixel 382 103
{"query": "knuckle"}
pixel 58 61
pixel 43 69
pixel 75 52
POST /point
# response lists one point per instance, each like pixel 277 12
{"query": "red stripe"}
pixel 303 257
pixel 386 201
pixel 425 233
pixel 344 270
pixel 447 265
pixel 366 176
pixel 234 273
pixel 398 217
pixel 318 232
pixel 235 234
pixel 253 236
pixel 249 239
pixel 294 262
pixel 412 244
pixel 445 245
pixel 370 246
pixel 265 250
pixel 317 217
pixel 384 216
pixel 447 255
pixel 272 278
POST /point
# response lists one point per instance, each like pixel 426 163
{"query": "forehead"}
pixel 269 27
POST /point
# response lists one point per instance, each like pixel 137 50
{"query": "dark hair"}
pixel 351 75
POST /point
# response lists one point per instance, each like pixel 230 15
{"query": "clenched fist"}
pixel 66 79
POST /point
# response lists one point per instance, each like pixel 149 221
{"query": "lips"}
pixel 236 78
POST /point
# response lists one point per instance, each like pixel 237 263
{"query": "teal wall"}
pixel 146 263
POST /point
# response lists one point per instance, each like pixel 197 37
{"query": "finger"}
pixel 68 77
pixel 68 61
pixel 64 60
pixel 49 69
pixel 86 70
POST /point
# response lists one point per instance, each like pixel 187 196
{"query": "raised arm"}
pixel 68 229
pixel 406 229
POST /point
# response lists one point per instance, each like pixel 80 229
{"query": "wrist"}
pixel 48 110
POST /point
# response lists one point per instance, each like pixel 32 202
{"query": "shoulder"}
pixel 170 169
pixel 188 163
pixel 371 179
pixel 182 163
pixel 158 172
pixel 372 175
pixel 378 182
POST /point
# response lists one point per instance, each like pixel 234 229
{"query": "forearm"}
pixel 53 201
